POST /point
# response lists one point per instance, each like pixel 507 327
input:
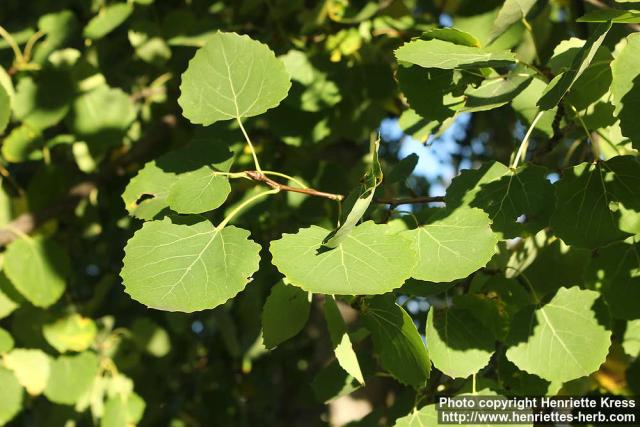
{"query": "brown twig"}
pixel 396 201
pixel 259 176
pixel 29 221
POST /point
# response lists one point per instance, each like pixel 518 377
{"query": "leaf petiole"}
pixel 243 205
pixel 522 151
pixel 251 148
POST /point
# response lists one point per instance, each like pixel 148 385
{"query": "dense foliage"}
pixel 209 217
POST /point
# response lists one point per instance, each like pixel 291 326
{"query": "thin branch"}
pixel 396 201
pixel 29 221
pixel 261 177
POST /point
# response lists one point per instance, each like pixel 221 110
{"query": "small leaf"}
pixel 397 341
pixel 359 200
pixel 511 12
pixel 107 20
pixel 38 268
pixel 452 35
pixel 332 382
pixel 31 368
pixel 369 261
pixel 23 144
pixel 6 341
pixel 562 83
pixel 124 409
pixel 187 268
pixel 453 244
pixel 449 56
pixel 11 392
pixel 495 92
pixel 340 340
pixel 185 180
pixel 616 16
pixel 631 340
pixel 40 104
pixel 71 377
pixel 561 340
pixel 285 313
pixel 74 332
pixel 5 109
pixel 232 76
pixel 101 116
pixel 459 345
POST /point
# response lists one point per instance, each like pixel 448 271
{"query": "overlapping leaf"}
pixel 448 56
pixel 452 245
pixel 342 347
pixel 459 345
pixel 285 313
pixel 516 200
pixel 368 261
pixel 186 268
pixel 561 340
pixel 184 180
pixel 71 377
pixel 561 84
pixel 625 87
pixel 397 341
pixel 588 212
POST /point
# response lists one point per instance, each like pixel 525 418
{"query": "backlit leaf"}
pixel 187 268
pixel 285 313
pixel 369 261
pixel 449 56
pixel 340 340
pixel 561 340
pixel 232 76
pixel 71 377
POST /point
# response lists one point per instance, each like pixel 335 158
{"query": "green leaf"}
pixel 184 180
pixel 459 345
pixel 449 56
pixel 506 195
pixel 107 20
pixel 231 77
pixel 150 337
pixel 22 144
pixel 631 340
pixel 332 382
pixel 625 87
pixel 40 104
pixel 614 15
pixel 10 396
pixel 524 104
pixel 561 340
pixel 397 342
pixel 71 377
pixel 5 109
pixel 38 268
pixel 585 195
pixel 340 340
pixel 123 409
pixel 614 269
pixel 31 367
pixel 453 245
pixel 60 28
pixel 452 35
pixel 101 116
pixel 285 313
pixel 425 416
pixel 561 84
pixel 359 200
pixel 369 260
pixel 511 12
pixel 496 92
pixel 74 332
pixel 428 92
pixel 186 268
pixel 6 341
